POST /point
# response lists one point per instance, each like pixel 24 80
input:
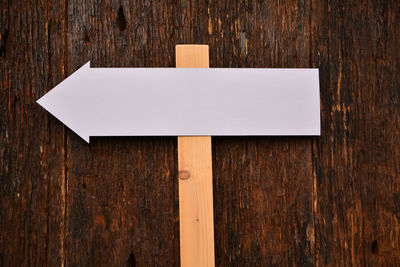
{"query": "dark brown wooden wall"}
pixel 332 200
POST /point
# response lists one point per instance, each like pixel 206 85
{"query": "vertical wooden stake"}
pixel 195 180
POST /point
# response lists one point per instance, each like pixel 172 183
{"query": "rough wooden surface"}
pixel 32 166
pixel 357 161
pixel 332 200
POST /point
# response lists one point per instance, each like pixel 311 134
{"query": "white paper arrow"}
pixel 181 102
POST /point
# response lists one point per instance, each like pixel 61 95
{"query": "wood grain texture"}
pixel 356 160
pixel 262 185
pixel 196 215
pixel 196 202
pixel 32 170
pixel 327 201
pixel 122 193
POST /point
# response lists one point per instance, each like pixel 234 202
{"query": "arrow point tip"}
pixel 40 101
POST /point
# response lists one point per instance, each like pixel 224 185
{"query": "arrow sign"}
pixel 187 102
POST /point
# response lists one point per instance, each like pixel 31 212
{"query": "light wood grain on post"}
pixel 195 180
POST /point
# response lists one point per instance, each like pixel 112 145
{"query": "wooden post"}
pixel 195 180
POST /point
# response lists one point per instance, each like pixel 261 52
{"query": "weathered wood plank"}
pixel 31 141
pixel 262 185
pixel 122 202
pixel 356 160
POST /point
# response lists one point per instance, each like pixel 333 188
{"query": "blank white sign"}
pixel 187 102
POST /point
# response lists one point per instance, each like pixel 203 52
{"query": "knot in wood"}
pixel 184 175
